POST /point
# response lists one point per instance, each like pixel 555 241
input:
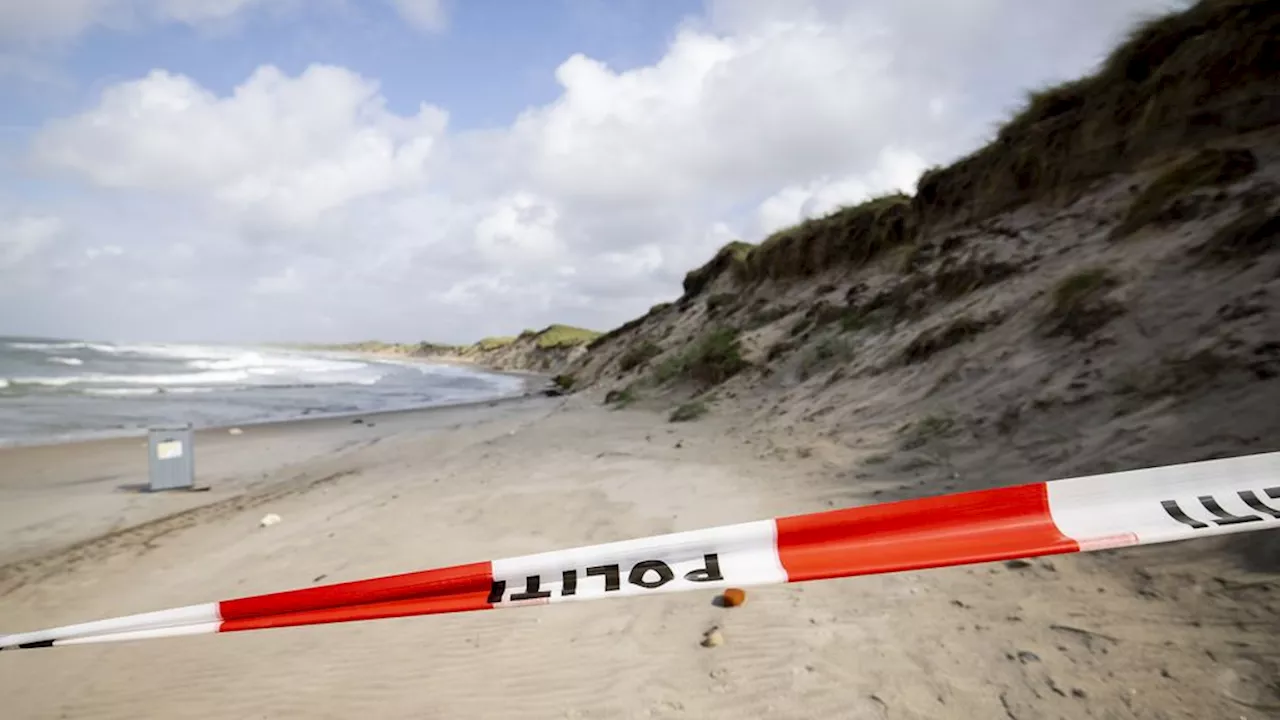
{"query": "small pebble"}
pixel 713 638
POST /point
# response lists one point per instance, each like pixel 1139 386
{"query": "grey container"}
pixel 171 460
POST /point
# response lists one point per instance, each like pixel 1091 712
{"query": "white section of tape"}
pixel 202 613
pixel 162 632
pixel 738 555
pixel 1175 502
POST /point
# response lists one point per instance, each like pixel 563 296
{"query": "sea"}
pixel 62 390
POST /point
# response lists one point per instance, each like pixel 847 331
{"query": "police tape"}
pixel 1136 507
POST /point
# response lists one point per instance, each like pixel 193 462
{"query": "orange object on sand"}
pixel 733 597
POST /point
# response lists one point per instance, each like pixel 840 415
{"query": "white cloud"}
pixel 23 236
pixel 37 21
pixel 303 204
pixel 519 232
pixel 286 281
pixel 427 15
pixel 279 149
pixel 193 12
pixel 729 114
pixel 104 251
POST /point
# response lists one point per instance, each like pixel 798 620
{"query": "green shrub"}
pixel 849 236
pixel 714 358
pixel 558 336
pixel 717 357
pixel 688 411
pixel 801 326
pixel 931 342
pixel 1207 167
pixel 919 432
pixel 1251 234
pixel 767 315
pixel 719 300
pixel 621 398
pixel 639 355
pixel 828 351
pixel 730 257
pixel 854 319
pixel 493 343
pixel 1080 306
pixel 671 368
pixel 564 382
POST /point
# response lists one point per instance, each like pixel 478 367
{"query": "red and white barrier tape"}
pixel 1136 507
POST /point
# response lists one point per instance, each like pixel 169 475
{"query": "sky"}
pixel 445 170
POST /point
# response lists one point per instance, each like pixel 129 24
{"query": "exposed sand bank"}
pixel 1077 636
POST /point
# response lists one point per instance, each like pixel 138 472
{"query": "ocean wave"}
pixel 157 350
pixel 276 363
pixel 47 346
pixel 161 350
pixel 216 378
pixel 139 391
pixel 206 378
pixel 128 392
pixel 65 360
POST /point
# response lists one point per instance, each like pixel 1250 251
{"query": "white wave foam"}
pixel 126 392
pixel 159 350
pixel 276 362
pixel 47 346
pixel 504 382
pixel 206 378
pixel 4 383
pixel 207 365
pixel 42 381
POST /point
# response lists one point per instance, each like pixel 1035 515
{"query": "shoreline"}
pixel 531 385
pixel 56 496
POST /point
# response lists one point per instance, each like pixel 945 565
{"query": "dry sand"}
pixel 1074 637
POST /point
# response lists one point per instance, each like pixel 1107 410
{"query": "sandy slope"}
pixel 1072 637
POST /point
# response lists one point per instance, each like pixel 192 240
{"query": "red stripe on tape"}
pixel 461 582
pixel 971 527
pixel 460 602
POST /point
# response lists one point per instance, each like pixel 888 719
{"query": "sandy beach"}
pixel 644 268
pixel 1071 637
